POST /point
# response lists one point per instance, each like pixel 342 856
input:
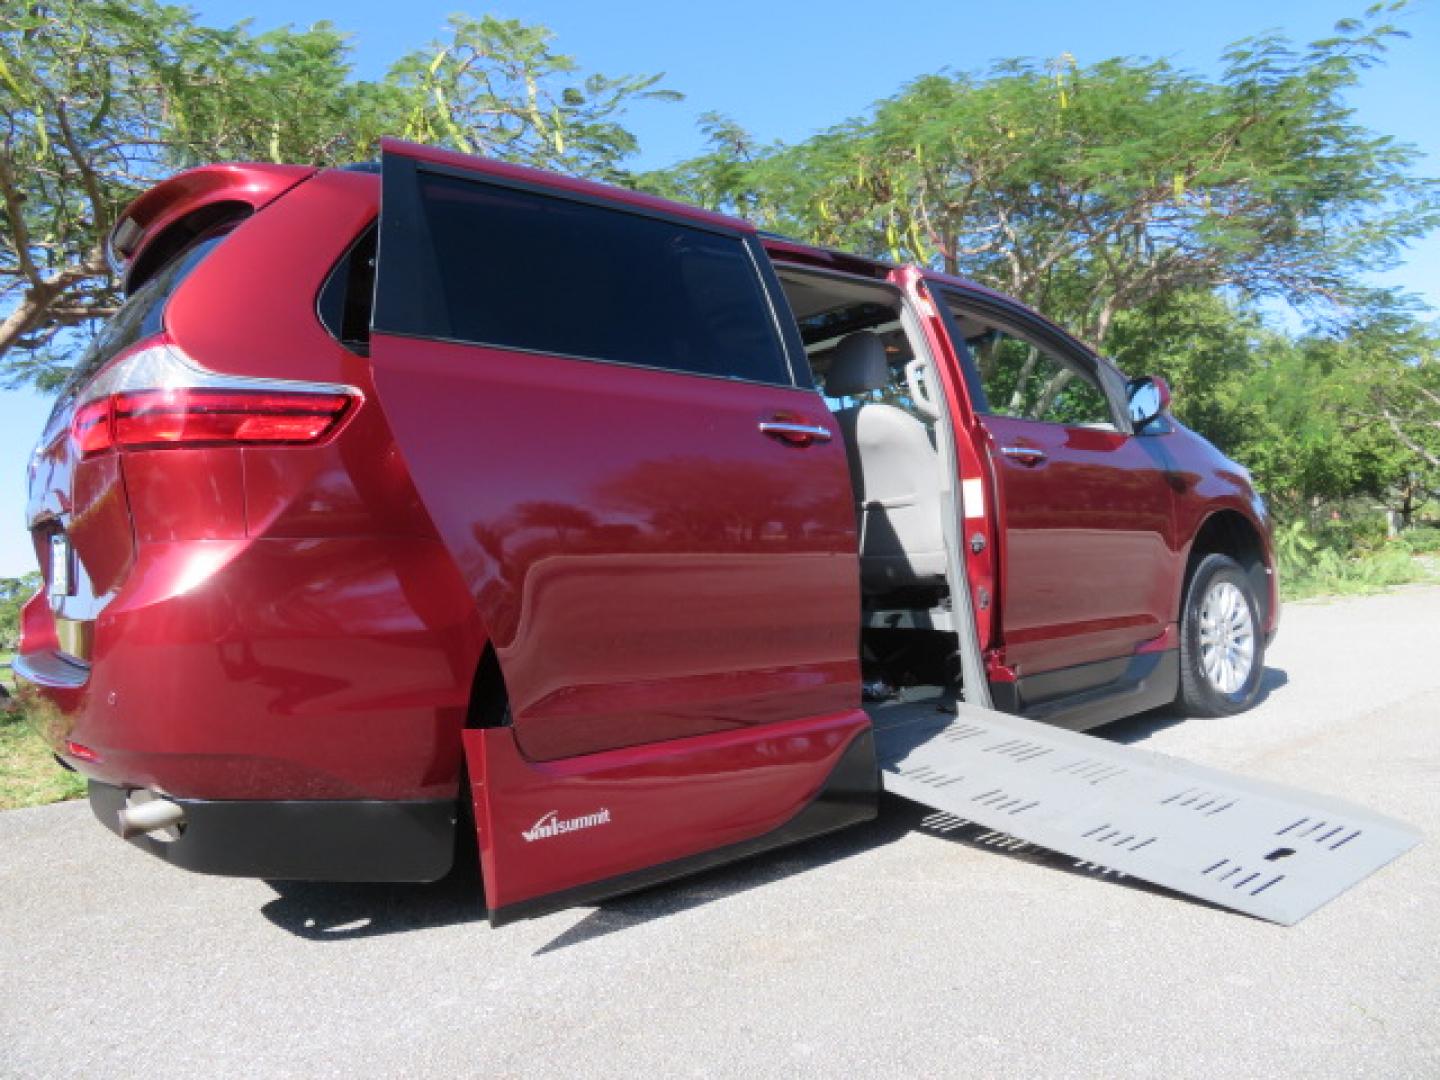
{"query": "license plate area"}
pixel 62 568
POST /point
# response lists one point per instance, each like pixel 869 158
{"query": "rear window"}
pixel 141 316
pixel 521 270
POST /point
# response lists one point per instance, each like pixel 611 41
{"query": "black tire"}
pixel 1211 679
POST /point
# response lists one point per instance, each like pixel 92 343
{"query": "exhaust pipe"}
pixel 150 816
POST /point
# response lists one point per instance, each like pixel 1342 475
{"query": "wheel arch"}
pixel 1230 532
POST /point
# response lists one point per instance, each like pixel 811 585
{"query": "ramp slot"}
pixel 1191 829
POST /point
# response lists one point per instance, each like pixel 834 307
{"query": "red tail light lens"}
pixel 149 419
pixel 154 396
pixel 91 427
pixel 205 417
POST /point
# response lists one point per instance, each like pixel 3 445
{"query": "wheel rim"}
pixel 1227 637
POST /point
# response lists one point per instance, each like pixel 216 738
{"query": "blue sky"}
pixel 784 69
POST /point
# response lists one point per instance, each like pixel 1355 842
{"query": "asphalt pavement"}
pixel 889 950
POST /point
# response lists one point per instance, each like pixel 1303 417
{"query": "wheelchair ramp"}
pixel 1270 851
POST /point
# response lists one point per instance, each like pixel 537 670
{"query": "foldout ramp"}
pixel 1267 850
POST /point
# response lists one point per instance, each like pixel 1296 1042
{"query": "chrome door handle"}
pixel 1026 455
pixel 795 433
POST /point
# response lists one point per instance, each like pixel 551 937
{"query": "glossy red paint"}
pixel 149 216
pixel 1207 484
pixel 1168 639
pixel 981 538
pixel 1091 564
pixel 645 805
pixel 281 668
pixel 671 595
pixel 241 601
pixel 695 576
pixel 1092 539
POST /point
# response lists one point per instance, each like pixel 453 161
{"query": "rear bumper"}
pixel 307 840
pixel 268 669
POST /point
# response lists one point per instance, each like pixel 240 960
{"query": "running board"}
pixel 1266 850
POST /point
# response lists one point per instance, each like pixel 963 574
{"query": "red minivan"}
pixel 393 492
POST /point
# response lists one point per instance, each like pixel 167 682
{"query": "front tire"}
pixel 1222 647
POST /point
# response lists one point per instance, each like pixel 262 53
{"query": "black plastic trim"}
pixel 301 839
pixel 1147 681
pixel 782 316
pixel 849 796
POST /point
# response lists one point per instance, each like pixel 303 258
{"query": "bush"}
pixel 1423 539
pixel 1355 535
pixel 1342 558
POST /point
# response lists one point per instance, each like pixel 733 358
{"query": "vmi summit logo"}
pixel 553 825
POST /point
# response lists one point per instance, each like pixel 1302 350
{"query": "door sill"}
pixel 1147 681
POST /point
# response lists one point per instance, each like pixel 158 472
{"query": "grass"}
pixel 29 775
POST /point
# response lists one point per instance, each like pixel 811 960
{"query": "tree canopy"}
pixel 1087 191
pixel 1158 213
pixel 101 98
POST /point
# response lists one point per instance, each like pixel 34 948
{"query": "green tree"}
pixel 1320 419
pixel 1087 191
pixel 13 594
pixel 101 98
pixel 1206 346
pixel 496 87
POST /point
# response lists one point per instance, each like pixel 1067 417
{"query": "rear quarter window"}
pixel 521 270
pixel 346 297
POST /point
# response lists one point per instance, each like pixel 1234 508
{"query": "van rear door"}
pixel 607 413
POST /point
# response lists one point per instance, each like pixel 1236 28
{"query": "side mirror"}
pixel 1149 397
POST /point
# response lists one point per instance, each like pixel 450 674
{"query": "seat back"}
pixel 895 473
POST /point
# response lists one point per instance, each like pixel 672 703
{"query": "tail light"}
pixel 154 396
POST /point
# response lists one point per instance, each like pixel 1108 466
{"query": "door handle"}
pixel 794 432
pixel 1025 455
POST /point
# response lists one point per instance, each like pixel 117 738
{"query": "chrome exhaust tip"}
pixel 146 813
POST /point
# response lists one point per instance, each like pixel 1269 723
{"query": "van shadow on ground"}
pixel 324 911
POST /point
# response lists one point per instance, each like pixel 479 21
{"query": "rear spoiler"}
pixel 240 189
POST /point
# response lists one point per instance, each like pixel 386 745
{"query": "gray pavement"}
pixel 888 950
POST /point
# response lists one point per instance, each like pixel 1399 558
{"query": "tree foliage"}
pixel 1154 212
pixel 1086 191
pixel 13 594
pixel 1319 419
pixel 101 98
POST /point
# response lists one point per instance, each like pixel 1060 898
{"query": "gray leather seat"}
pixel 895 472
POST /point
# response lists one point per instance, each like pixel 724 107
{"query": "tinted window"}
pixel 345 300
pixel 526 271
pixel 141 316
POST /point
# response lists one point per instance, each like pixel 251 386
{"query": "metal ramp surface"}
pixel 1270 851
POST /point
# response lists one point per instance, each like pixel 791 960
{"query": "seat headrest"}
pixel 857 365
